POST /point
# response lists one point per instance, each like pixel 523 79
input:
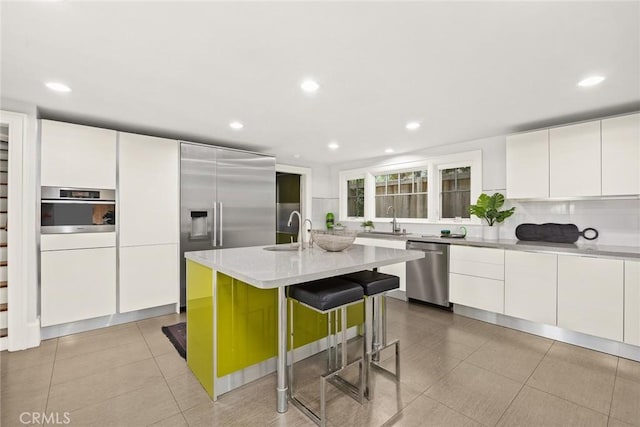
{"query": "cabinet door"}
pixel 590 295
pixel 574 160
pixel 148 276
pixel 77 284
pixel 528 165
pixel 474 261
pixel 621 155
pixel 148 190
pixel 632 302
pixel 399 269
pixel 478 292
pixel 530 286
pixel 77 156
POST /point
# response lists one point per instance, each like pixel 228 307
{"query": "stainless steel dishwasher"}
pixel 428 277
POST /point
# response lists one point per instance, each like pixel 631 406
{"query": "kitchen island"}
pixel 237 309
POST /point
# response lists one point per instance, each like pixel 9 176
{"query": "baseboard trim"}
pixel 603 345
pixel 105 321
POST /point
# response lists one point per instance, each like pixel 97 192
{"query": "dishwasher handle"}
pixel 419 247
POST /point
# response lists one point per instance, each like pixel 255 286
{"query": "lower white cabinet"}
pixel 530 286
pixel 632 302
pixel 591 295
pixel 149 276
pixel 77 284
pixel 400 269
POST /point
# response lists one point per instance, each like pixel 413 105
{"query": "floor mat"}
pixel 177 334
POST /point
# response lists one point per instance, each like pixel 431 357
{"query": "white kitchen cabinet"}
pixel 621 155
pixel 148 186
pixel 530 286
pixel 575 160
pixel 590 295
pixel 77 284
pixel 149 276
pixel 528 165
pixel 476 277
pixel 395 269
pixel 632 302
pixel 77 156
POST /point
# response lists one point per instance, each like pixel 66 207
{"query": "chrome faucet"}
pixel 395 226
pixel 300 224
pixel 309 230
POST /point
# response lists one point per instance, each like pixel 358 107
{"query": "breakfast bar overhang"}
pixel 270 273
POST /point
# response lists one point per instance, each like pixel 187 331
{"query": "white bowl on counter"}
pixel 333 240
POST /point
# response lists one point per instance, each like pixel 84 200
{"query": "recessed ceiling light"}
pixel 310 86
pixel 591 81
pixel 58 87
pixel 412 125
pixel 389 150
pixel 236 125
pixel 333 146
pixel 296 156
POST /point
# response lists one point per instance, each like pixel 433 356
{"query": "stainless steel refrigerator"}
pixel 227 200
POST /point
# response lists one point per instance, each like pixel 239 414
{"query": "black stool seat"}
pixel 373 282
pixel 327 294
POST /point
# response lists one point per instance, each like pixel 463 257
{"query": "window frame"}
pixel 433 165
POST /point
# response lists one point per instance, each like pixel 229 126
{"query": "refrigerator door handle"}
pixel 214 233
pixel 221 226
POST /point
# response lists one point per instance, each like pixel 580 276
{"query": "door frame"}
pixel 17 291
pixel 305 191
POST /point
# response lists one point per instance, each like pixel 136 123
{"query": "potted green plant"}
pixel 368 225
pixel 487 208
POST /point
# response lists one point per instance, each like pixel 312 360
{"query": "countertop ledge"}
pixel 578 248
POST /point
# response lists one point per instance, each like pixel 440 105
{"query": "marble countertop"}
pixel 582 247
pixel 272 269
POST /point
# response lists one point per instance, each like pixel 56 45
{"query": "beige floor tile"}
pixel 250 413
pixel 187 391
pixel 14 405
pixel 15 360
pixel 92 389
pixel 176 420
pixel 626 401
pixel 586 382
pixel 158 342
pixel 91 363
pixel 156 323
pixel 475 392
pixel 172 364
pixel 292 418
pixel 421 367
pixel 135 408
pixel 388 398
pixel 21 382
pixel 409 335
pixel 427 412
pixel 629 369
pixel 472 337
pixel 617 423
pixel 450 347
pixel 583 357
pixel 536 408
pixel 522 339
pixel 511 360
pixel 73 345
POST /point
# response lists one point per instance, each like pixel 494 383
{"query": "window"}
pixel 455 194
pixel 355 197
pixel 431 190
pixel 404 194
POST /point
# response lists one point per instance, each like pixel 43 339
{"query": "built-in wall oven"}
pixel 77 210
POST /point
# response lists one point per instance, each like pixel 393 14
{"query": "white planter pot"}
pixel 490 232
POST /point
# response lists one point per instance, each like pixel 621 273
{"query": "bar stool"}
pixel 328 296
pixel 375 286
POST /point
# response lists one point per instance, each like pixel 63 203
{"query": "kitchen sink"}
pixel 285 247
pixel 386 233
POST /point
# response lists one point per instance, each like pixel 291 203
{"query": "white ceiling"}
pixel 186 69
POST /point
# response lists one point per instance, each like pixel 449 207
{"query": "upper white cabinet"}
pixel 528 165
pixel 621 155
pixel 148 190
pixel 590 295
pixel 530 286
pixel 632 302
pixel 574 160
pixel 77 156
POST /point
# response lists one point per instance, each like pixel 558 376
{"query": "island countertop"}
pixel 272 269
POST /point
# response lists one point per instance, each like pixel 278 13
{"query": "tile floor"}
pixel 455 372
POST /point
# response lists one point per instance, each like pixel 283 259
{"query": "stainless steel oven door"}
pixel 77 216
